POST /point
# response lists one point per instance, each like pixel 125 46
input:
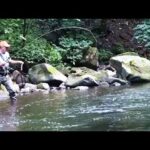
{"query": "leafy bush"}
pixel 38 51
pixel 10 30
pixel 118 49
pixel 142 33
pixel 104 55
pixel 53 56
pixel 72 49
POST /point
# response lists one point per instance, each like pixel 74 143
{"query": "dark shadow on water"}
pixel 140 84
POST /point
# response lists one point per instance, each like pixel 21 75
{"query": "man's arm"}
pixel 16 61
pixel 9 60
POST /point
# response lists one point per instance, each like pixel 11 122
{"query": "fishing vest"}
pixel 4 58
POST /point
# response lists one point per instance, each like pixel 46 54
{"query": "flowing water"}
pixel 96 109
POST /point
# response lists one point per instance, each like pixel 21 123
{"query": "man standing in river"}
pixel 4 69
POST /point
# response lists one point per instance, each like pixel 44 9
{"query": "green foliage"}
pixel 50 24
pixel 39 51
pixel 68 44
pixel 28 48
pixel 71 22
pixel 118 49
pixel 32 51
pixel 10 30
pixel 72 49
pixel 71 42
pixel 74 43
pixel 142 33
pixel 53 56
pixel 104 55
pixel 35 50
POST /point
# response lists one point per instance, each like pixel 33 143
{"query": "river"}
pixel 96 109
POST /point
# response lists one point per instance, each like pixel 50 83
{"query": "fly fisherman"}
pixel 4 69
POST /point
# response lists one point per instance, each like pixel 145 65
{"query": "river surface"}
pixel 96 109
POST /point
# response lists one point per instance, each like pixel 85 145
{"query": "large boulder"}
pixel 46 73
pixel 90 58
pixel 131 67
pixel 82 76
pixel 86 80
pixel 81 71
pixel 98 75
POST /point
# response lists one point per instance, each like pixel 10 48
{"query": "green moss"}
pixel 100 75
pixel 52 70
pixel 129 53
pixel 139 69
pixel 2 87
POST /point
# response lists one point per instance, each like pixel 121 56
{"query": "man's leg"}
pixel 9 86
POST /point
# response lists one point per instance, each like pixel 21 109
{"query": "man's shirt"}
pixel 4 58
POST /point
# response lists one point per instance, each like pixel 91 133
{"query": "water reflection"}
pixel 8 119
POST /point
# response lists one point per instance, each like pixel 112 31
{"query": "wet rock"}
pixel 112 80
pixel 86 80
pixel 116 84
pixel 44 86
pixel 131 67
pixel 45 73
pixel 31 86
pixel 104 84
pixel 81 88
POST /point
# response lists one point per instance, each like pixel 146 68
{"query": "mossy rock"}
pixel 129 53
pixel 131 67
pixel 45 73
pixel 90 58
pixel 81 71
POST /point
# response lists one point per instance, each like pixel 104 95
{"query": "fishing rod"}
pixel 71 27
